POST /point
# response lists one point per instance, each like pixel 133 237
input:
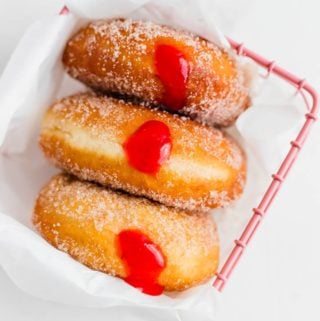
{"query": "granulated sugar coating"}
pixel 84 220
pixel 118 56
pixel 84 134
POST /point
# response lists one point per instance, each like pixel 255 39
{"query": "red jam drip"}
pixel 149 147
pixel 172 68
pixel 143 259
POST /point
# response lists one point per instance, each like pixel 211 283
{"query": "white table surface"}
pixel 278 277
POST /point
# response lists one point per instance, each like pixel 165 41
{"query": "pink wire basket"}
pixel 305 89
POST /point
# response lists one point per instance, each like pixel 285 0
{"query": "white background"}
pixel 278 277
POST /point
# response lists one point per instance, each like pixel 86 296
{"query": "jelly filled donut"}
pixel 143 151
pixel 160 65
pixel 149 245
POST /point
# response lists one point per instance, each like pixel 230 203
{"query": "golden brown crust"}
pixel 83 134
pixel 83 219
pixel 118 56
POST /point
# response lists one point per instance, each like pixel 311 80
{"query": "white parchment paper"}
pixel 34 78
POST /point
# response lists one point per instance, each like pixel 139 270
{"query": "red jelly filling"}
pixel 143 259
pixel 172 68
pixel 149 147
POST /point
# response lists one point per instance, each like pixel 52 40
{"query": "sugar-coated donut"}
pixel 96 226
pixel 143 151
pixel 159 65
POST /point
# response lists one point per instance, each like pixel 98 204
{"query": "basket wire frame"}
pixel 304 88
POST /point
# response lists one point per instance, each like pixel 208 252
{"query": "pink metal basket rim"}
pixel 278 178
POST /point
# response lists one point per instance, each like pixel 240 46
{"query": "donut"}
pixel 149 245
pixel 143 151
pixel 160 65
